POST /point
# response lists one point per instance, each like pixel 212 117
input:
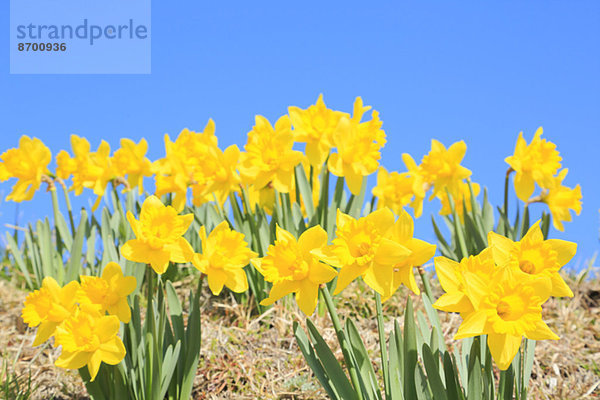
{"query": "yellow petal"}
pixel 180 251
pixel 112 351
pixel 524 186
pixel 312 238
pixel 111 269
pixel 44 332
pixel 503 347
pixel 564 250
pixel 390 253
pixel 321 273
pixel 353 179
pixel 307 296
pixel 236 280
pixel 502 248
pixel 454 302
pixel 560 287
pixel 347 275
pixel 72 360
pixel 107 327
pixel 94 365
pixel 541 332
pixel 279 290
pixel 445 269
pixel 216 280
pixel 473 325
pixel 379 278
pixel 383 219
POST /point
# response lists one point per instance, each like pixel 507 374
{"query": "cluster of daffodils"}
pixel 539 162
pixel 379 248
pixel 344 144
pixel 440 170
pixel 500 292
pixel 159 241
pixel 84 318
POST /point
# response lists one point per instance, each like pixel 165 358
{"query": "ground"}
pixel 247 356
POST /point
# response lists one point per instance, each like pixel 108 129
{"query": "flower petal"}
pixel 503 347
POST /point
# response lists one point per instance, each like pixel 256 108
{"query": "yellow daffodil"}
pixel 361 248
pixel 159 236
pixel 561 200
pixel 92 170
pixel 48 307
pixel 393 190
pixel 29 164
pixel 89 338
pixel 315 126
pixel 190 161
pixel 292 266
pixel 454 278
pixel 177 184
pixel 506 310
pixel 131 160
pixel 109 292
pixel 420 252
pixel 269 157
pixel 535 256
pixel 441 168
pixel 263 197
pixel 224 255
pixel 358 147
pixel 536 162
pixel 461 194
pixel 225 179
pixel 419 186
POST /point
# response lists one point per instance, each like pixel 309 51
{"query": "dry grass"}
pixel 245 356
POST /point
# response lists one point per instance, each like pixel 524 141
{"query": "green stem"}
pixel 426 284
pixel 69 208
pixel 343 341
pixel 506 183
pixel 524 220
pixel 382 346
pixel 373 202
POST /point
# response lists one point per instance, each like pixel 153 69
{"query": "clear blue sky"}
pixel 470 70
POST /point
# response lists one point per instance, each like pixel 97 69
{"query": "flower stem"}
pixel 343 341
pixel 506 183
pixel 426 284
pixel 68 202
pixel 382 346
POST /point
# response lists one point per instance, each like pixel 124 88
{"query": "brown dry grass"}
pixel 245 356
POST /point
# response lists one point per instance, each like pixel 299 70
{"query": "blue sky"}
pixel 474 71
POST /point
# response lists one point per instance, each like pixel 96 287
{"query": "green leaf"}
pixel 16 252
pixel 433 374
pixel 75 261
pixel 364 365
pixel 330 364
pixel 311 359
pixel 305 190
pixel 454 391
pixel 410 351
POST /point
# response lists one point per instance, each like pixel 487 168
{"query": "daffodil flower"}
pixel 536 162
pixel 269 157
pixel 224 255
pixel 109 292
pixel 29 164
pixel 293 267
pixel 159 236
pixel 48 307
pixel 89 338
pixel 315 127
pixel 561 199
pixel 358 147
pixel 362 248
pixel 535 256
pixel 506 310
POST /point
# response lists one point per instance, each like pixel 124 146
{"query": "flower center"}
pixel 510 308
pixel 299 270
pixel 527 266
